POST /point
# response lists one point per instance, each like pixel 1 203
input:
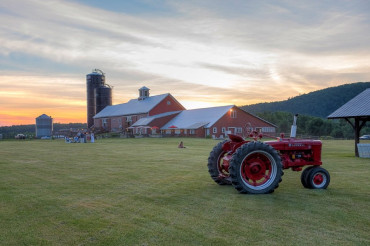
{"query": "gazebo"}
pixel 358 108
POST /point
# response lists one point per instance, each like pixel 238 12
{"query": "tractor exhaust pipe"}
pixel 293 130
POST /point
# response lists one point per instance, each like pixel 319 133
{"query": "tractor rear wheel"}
pixel 304 177
pixel 256 168
pixel 219 173
pixel 318 178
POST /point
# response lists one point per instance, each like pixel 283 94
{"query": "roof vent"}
pixel 143 93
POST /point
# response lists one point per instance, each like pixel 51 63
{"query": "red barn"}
pixel 216 122
pixel 117 118
pixel 164 114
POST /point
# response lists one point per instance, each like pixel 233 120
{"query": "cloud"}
pixel 216 52
pixel 309 27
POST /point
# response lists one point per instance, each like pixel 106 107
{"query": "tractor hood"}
pixel 294 144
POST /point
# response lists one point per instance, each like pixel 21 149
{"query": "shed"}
pixel 358 109
pixel 153 122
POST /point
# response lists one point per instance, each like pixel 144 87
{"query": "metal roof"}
pixel 195 118
pixel 145 121
pixel 359 106
pixel 134 106
pixel 44 116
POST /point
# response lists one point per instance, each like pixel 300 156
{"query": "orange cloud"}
pixel 26 116
pixel 24 98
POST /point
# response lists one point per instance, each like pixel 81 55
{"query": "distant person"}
pixel 92 139
pixel 181 145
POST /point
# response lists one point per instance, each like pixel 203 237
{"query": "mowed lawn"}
pixel 149 192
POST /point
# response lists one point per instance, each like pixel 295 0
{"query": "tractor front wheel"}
pixel 318 178
pixel 256 168
pixel 304 177
pixel 219 173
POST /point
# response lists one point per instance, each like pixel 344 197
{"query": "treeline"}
pixel 319 103
pixel 312 126
pixel 10 132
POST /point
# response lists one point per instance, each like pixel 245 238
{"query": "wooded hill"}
pixel 319 103
pixel 313 109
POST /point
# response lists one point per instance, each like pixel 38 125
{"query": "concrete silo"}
pixel 103 97
pixel 99 95
pixel 44 126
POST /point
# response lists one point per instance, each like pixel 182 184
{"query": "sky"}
pixel 204 52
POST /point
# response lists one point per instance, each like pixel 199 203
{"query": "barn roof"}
pixel 134 106
pixel 146 120
pixel 195 118
pixel 358 106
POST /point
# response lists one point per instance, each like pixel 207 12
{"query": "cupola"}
pixel 143 93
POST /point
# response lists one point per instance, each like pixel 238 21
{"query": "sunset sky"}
pixel 203 52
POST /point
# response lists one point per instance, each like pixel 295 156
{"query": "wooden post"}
pixel 357 134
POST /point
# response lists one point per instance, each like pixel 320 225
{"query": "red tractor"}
pixel 256 167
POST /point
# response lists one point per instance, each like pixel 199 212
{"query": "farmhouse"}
pixel 163 114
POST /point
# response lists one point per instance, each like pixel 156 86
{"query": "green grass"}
pixel 149 192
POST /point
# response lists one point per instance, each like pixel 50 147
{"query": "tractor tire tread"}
pixel 213 165
pixel 237 158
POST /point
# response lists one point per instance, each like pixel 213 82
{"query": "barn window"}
pixel 177 131
pixel 168 131
pixel 214 129
pixel 185 131
pixel 168 102
pixel 239 130
pixel 233 113
pixel 268 129
pixel 223 129
pixel 192 131
pixel 105 122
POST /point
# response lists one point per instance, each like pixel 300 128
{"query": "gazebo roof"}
pixel 358 106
